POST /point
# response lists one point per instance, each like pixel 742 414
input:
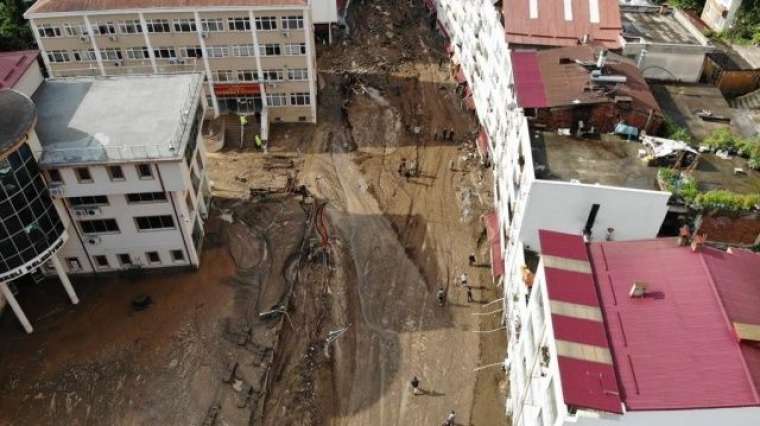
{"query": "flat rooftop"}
pixel 607 161
pixel 115 119
pixel 676 347
pixel 651 25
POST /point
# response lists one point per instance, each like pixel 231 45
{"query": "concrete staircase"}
pixel 749 101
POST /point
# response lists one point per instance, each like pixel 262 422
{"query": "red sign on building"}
pixel 240 89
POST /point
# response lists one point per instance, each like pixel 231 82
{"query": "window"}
pixel 295 49
pixel 49 31
pixel 223 76
pixel 58 56
pixel 153 257
pixel 270 50
pixel 185 25
pixel 104 28
pixel 191 52
pixel 273 75
pixel 83 174
pixel 178 256
pixel 99 226
pixel 111 54
pixel 146 223
pixel 217 51
pixel 85 55
pixel 243 50
pixel 101 261
pixel 74 264
pixel 239 23
pixel 298 74
pixel 292 22
pixel 158 26
pixel 165 53
pixel 248 75
pixel 144 171
pixel 277 99
pixel 125 259
pixel 132 26
pixel 55 176
pixel 266 23
pixel 115 172
pixel 74 30
pixel 300 99
pixel 145 197
pixel 212 25
pixel 137 53
pixel 89 200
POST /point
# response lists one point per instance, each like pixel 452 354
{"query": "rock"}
pixel 173 364
pixel 238 385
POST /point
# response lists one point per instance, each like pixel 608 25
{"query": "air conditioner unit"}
pixel 172 61
pixel 180 61
pixel 286 33
pixel 93 240
pixel 204 34
pixel 113 37
pixel 56 191
pixel 86 211
pixel 84 38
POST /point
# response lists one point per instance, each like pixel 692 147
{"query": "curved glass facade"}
pixel 29 222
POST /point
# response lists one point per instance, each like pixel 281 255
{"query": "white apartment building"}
pixel 125 165
pixel 636 333
pixel 534 186
pixel 257 56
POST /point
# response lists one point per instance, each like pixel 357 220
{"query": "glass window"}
pixel 145 223
pixel 184 25
pixel 239 23
pixel 99 226
pixel 292 22
pixel 295 49
pixel 89 200
pixel 83 174
pixel 55 176
pixel 153 257
pixel 48 31
pixel 101 261
pixel 125 259
pixel 300 99
pixel 212 25
pixel 266 23
pixel 115 173
pixel 298 74
pixel 271 49
pixel 144 171
pixel 146 197
pixel 158 26
pixel 178 255
pixel 131 26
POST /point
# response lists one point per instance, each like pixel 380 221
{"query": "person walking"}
pixel 463 279
pixel 441 296
pixel 471 259
pixel 402 167
pixel 469 295
pixel 416 386
pixel 450 419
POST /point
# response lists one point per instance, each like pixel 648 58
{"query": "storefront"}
pixel 239 98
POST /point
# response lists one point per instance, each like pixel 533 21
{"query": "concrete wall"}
pixel 324 11
pixel 564 207
pixel 31 80
pixel 668 62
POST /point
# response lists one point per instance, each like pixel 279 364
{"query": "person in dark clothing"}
pixel 416 386
pixel 441 296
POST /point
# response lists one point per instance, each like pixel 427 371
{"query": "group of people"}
pixel 416 390
pixel 441 293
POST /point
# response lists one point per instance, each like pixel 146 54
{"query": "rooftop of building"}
pixel 654 24
pixel 565 76
pixel 735 57
pixel 115 119
pixel 677 347
pixel 13 65
pixel 613 161
pixel 606 161
pixel 16 117
pixel 690 342
pixel 550 23
pixel 58 6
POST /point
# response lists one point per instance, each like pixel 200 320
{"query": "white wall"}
pixel 564 207
pixel 30 81
pixel 324 11
pixel 671 63
pixel 743 416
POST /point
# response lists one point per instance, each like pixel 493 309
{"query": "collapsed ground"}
pixel 356 258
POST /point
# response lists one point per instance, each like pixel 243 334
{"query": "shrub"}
pixel 673 131
pixel 727 201
pixel 720 139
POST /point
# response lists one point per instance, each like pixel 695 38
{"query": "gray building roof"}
pixel 116 119
pixel 16 117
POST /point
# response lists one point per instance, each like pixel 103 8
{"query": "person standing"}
pixel 450 418
pixel 441 296
pixel 416 386
pixel 463 279
pixel 469 295
pixel 471 259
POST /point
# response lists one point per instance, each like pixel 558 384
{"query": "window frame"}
pixel 122 256
pixel 184 25
pixel 299 48
pixel 218 24
pixel 181 257
pixel 163 218
pixel 78 171
pixel 56 172
pixel 266 21
pixel 101 257
pixel 150 176
pixel 146 197
pixel 105 221
pixel 286 21
pixel 148 255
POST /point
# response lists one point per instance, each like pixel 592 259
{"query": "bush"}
pixel 682 186
pixel 721 139
pixel 673 131
pixel 727 201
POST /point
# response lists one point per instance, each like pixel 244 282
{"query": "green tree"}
pixel 14 30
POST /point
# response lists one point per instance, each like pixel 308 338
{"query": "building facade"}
pixel 134 195
pixel 20 71
pixel 257 56
pixel 32 232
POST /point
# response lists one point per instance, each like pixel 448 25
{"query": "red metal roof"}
pixel 13 65
pixel 586 383
pixel 52 6
pixel 491 221
pixel 528 80
pixel 552 28
pixel 675 347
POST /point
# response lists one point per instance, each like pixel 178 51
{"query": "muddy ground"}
pixel 356 263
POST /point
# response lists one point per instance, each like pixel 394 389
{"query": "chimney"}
pixel 638 289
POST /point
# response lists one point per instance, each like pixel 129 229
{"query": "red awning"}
pixel 491 221
pixel 482 142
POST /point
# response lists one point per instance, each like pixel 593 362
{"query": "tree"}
pixel 14 31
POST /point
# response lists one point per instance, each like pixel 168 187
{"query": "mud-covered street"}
pixel 315 303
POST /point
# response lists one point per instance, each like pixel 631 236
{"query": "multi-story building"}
pixel 125 164
pixel 258 56
pixel 643 332
pixel 32 231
